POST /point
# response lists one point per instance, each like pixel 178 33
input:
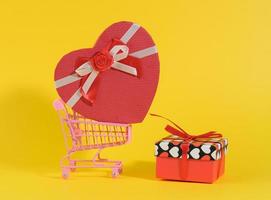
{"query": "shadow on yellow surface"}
pixel 136 169
pixel 140 169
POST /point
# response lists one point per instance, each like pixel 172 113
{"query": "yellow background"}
pixel 215 75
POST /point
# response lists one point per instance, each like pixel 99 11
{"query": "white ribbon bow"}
pixel 118 52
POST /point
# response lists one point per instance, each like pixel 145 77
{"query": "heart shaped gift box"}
pixel 116 80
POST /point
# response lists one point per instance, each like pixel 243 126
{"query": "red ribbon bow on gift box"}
pixel 187 138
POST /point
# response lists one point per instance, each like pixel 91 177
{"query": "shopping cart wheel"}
pixel 73 165
pixel 65 172
pixel 115 172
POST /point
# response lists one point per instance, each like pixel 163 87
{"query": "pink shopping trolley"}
pixel 82 134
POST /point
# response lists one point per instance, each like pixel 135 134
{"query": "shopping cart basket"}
pixel 81 134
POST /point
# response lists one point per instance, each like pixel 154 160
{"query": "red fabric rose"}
pixel 102 61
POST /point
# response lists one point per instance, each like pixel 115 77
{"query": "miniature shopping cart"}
pixel 81 134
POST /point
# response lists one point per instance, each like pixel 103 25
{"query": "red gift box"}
pixel 185 157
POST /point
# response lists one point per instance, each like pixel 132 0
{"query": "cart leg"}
pixel 65 172
pixel 73 165
pixel 115 172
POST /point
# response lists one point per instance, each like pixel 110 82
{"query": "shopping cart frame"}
pixel 79 128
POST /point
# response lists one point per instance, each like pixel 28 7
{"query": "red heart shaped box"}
pixel 120 97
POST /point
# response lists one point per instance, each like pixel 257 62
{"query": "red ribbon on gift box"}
pixel 178 131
